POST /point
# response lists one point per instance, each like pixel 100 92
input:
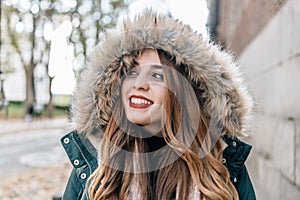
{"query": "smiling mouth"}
pixel 139 102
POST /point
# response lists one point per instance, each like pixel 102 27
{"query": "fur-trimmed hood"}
pixel 226 97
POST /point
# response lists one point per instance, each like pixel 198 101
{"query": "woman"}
pixel 158 116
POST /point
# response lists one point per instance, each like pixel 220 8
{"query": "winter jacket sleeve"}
pixel 244 186
pixel 74 188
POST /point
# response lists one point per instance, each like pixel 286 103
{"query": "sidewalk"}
pixel 19 125
pixel 38 181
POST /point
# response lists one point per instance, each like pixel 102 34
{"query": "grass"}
pixel 16 110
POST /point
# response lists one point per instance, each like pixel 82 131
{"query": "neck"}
pixel 153 128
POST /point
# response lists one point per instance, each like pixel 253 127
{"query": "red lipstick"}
pixel 139 102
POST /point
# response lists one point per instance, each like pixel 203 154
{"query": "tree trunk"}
pixel 29 72
pixel 50 103
pixel 30 91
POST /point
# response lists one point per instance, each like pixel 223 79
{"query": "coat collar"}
pixel 235 156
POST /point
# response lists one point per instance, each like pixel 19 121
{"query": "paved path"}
pixel 28 145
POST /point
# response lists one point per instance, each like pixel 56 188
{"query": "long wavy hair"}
pixel 191 161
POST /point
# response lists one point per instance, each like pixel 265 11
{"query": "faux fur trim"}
pixel 227 98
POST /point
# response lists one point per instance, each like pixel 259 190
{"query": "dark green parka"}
pixel 213 73
pixel 83 157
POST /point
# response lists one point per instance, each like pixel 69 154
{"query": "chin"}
pixel 139 122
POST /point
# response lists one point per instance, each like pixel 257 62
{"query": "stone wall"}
pixel 240 21
pixel 271 64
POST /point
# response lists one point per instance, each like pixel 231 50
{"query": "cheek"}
pixel 123 95
pixel 124 88
pixel 161 94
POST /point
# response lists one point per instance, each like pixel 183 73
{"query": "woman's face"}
pixel 143 92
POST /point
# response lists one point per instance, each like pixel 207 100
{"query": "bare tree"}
pixel 26 34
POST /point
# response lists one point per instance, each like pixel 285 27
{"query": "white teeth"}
pixel 140 101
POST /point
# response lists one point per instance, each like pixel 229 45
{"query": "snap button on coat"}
pixel 234 143
pixel 83 176
pixel 66 140
pixel 223 160
pixel 76 162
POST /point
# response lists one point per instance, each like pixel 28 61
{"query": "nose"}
pixel 141 83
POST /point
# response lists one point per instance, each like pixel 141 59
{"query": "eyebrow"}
pixel 156 66
pixel 153 66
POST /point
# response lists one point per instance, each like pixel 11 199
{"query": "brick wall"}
pixel 240 21
pixel 265 36
pixel 271 64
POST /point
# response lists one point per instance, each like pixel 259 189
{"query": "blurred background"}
pixel 45 44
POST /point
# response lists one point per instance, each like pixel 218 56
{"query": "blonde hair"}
pixel 184 139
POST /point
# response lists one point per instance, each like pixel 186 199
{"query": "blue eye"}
pixel 158 76
pixel 131 73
